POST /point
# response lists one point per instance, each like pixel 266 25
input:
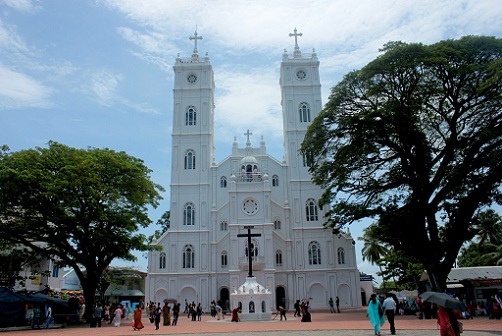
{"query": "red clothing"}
pixel 445 327
pixel 235 315
pixel 137 318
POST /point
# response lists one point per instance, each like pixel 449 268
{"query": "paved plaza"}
pixel 352 322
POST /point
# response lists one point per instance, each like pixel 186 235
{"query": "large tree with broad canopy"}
pixel 413 141
pixel 86 205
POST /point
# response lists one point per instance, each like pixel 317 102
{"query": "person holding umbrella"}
pixel 448 323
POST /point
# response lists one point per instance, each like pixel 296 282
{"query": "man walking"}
pixel 389 305
pixel 331 305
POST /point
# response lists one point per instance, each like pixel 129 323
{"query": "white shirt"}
pixel 389 304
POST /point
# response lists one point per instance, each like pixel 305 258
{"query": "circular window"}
pixel 301 74
pixel 192 78
pixel 250 207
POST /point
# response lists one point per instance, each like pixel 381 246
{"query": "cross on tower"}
pixel 248 143
pixel 249 235
pixel 295 34
pixel 195 37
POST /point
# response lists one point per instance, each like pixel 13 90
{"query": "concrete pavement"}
pixel 353 322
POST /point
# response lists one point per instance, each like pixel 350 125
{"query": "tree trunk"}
pixel 89 288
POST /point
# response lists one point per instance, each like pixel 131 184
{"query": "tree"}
pixel 413 140
pixel 487 251
pixel 488 226
pixel 165 223
pixel 392 264
pixel 86 205
pixel 374 250
pixel 475 255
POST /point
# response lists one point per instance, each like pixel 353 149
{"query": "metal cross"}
pixel 195 37
pixel 295 34
pixel 248 143
pixel 249 235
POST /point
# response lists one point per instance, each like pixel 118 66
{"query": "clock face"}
pixel 301 74
pixel 192 78
pixel 250 206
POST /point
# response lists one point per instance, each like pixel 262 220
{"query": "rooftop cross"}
pixel 295 34
pixel 195 37
pixel 250 253
pixel 248 143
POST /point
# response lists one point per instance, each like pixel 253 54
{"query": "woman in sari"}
pixel 448 323
pixel 166 314
pixel 138 313
pixel 376 319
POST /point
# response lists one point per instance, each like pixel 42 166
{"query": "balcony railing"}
pixel 258 263
pixel 250 177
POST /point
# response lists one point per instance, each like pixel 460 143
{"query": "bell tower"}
pixel 192 138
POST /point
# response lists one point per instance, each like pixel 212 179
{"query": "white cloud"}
pixel 21 5
pixel 248 100
pixel 102 86
pixel 10 41
pixel 18 90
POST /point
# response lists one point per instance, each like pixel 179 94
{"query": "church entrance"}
pixel 280 297
pixel 224 300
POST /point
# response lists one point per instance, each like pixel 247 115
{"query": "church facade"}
pixel 204 256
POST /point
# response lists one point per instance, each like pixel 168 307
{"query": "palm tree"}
pixel 488 225
pixel 373 248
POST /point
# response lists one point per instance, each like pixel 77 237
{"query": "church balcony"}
pixel 258 263
pixel 250 177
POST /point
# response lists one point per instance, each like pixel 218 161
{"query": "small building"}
pixel 33 275
pixel 476 283
pixel 471 284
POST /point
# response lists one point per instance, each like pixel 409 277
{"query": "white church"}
pixel 203 257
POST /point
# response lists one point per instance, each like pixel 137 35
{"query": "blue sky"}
pixel 99 73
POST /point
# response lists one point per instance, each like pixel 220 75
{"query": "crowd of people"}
pixel 379 311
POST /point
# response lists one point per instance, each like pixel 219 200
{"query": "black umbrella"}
pixel 443 300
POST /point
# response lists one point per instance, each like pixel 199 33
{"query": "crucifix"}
pixel 249 235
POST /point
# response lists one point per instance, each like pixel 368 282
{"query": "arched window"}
pixel 311 210
pixel 275 181
pixel 314 253
pixel 189 159
pixel 188 257
pixel 162 260
pixel 224 259
pixel 190 116
pixel 254 248
pixel 189 214
pixel 277 224
pixel 278 258
pixel 341 256
pixel 223 182
pixel 223 225
pixel 304 110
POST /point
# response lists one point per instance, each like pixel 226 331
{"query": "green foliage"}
pixel 165 223
pixel 480 255
pixel 487 251
pixel 86 205
pixel 413 140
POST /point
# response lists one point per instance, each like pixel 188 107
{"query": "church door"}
pixel 280 297
pixel 225 299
